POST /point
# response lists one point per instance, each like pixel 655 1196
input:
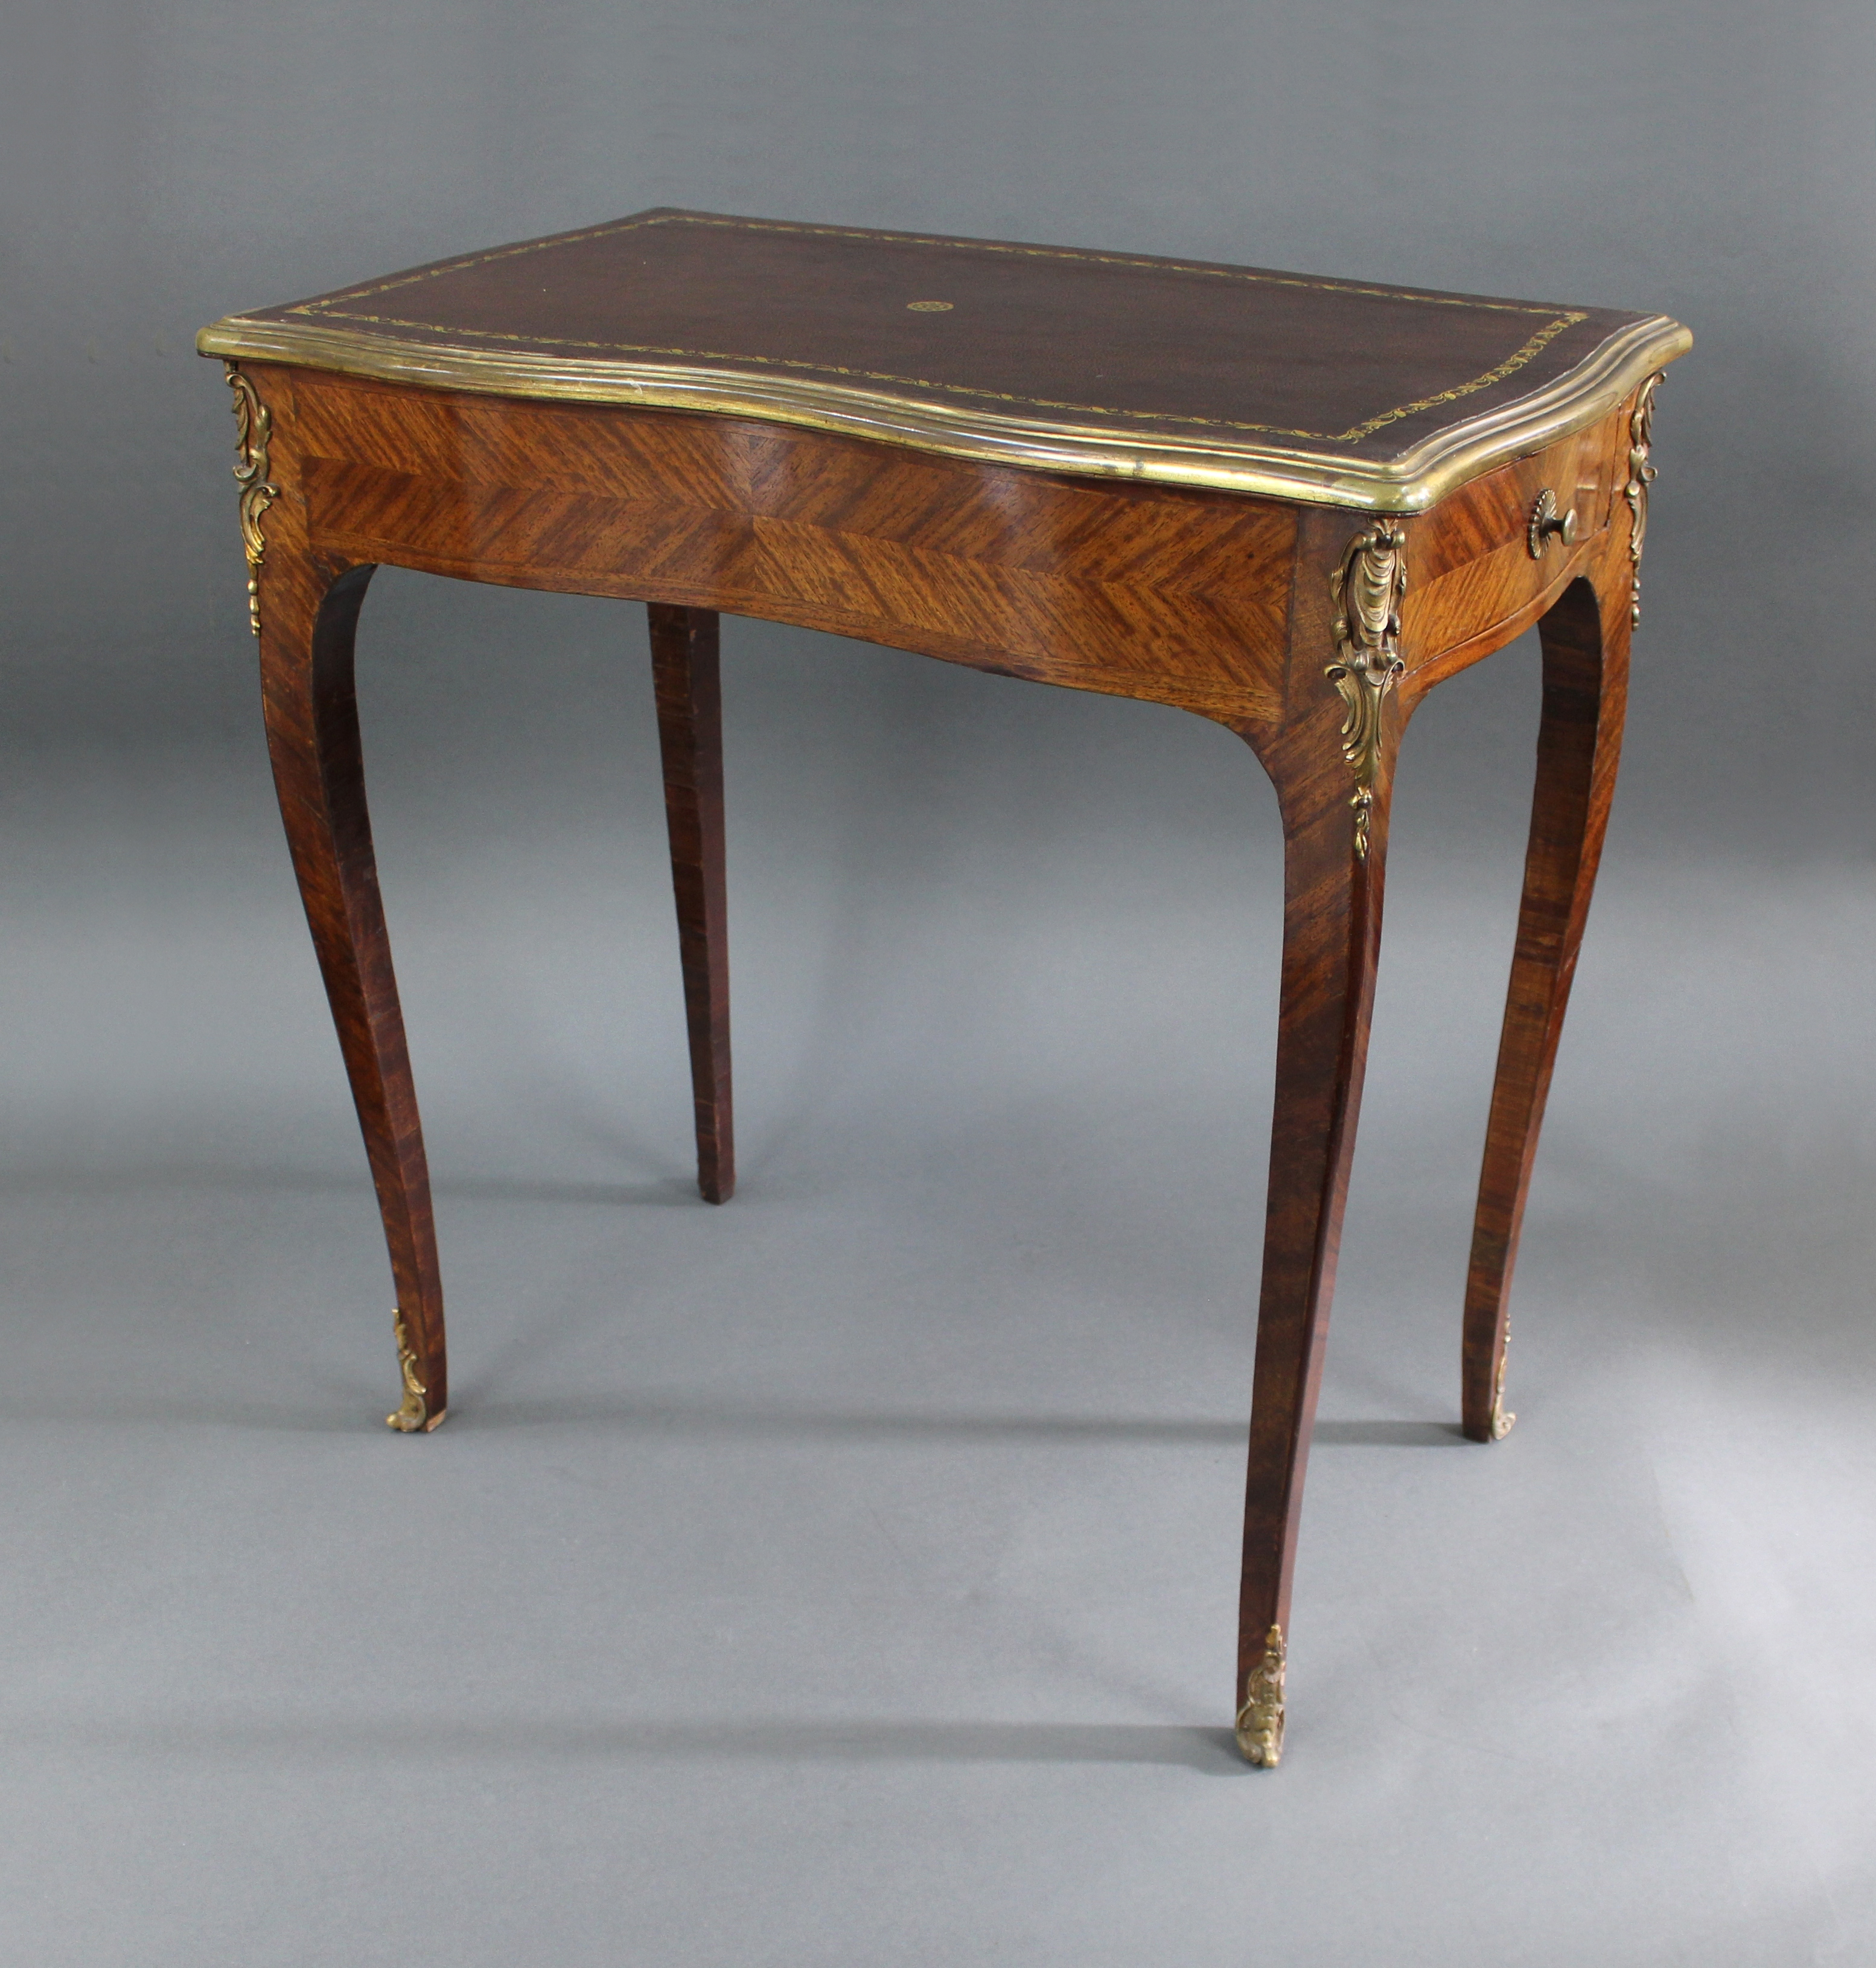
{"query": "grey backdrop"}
pixel 847 1575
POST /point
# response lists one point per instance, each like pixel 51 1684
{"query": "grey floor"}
pixel 846 1575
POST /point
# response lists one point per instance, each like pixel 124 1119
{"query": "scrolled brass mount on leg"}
pixel 1368 587
pixel 1260 1721
pixel 414 1417
pixel 254 430
pixel 1641 477
pixel 1498 1422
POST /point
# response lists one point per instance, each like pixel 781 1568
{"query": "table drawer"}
pixel 1471 562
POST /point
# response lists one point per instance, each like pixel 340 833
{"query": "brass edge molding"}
pixel 1260 1721
pixel 1641 477
pixel 1367 587
pixel 254 430
pixel 413 1417
pixel 1409 483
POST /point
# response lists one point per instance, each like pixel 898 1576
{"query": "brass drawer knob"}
pixel 1546 523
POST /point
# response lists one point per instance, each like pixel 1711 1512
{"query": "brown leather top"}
pixel 1126 346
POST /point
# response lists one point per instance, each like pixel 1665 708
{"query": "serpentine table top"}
pixel 1185 372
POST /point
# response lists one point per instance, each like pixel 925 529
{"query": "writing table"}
pixel 1292 505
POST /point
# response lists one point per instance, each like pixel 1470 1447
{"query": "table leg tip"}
pixel 1260 1721
pixel 421 1423
pixel 415 1417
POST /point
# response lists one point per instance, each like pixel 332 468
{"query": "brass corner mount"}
pixel 1367 588
pixel 1260 1721
pixel 1641 477
pixel 253 431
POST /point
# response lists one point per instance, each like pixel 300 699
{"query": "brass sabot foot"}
pixel 1260 1721
pixel 414 1417
pixel 1499 1422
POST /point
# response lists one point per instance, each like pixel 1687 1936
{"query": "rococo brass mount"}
pixel 1501 1422
pixel 1260 1721
pixel 1368 587
pixel 1641 476
pixel 413 1417
pixel 254 427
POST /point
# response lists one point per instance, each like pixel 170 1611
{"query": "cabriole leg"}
pixel 1334 786
pixel 1331 933
pixel 1586 681
pixel 306 628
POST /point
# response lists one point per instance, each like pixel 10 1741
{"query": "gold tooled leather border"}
pixel 342 309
